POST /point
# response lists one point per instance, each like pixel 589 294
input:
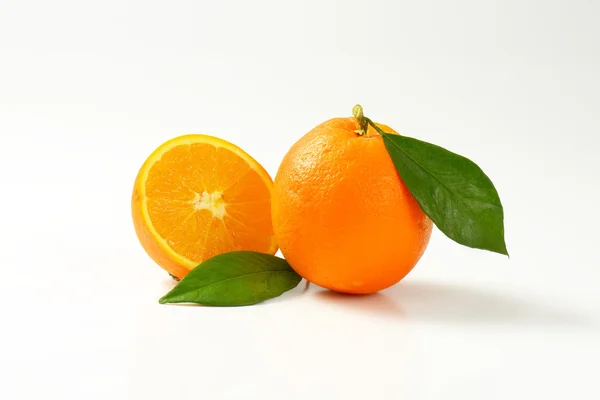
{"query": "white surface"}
pixel 89 89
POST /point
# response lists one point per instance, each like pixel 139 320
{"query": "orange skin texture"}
pixel 342 216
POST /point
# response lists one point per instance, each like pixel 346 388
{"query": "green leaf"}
pixel 238 278
pixel 452 190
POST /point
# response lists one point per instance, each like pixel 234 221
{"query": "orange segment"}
pixel 198 196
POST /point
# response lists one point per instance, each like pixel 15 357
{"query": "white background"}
pixel 89 89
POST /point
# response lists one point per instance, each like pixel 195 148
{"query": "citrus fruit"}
pixel 197 196
pixel 342 216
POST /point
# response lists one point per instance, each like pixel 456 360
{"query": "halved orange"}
pixel 197 196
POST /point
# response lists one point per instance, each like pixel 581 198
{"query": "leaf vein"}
pixel 240 276
pixel 434 176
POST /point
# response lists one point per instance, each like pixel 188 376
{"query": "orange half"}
pixel 197 196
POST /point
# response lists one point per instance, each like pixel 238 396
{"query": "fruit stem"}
pixel 364 122
pixel 357 112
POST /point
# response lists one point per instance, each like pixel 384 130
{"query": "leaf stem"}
pixel 378 129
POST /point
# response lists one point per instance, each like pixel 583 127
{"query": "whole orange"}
pixel 342 216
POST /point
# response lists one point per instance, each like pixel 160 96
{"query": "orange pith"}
pixel 342 216
pixel 198 196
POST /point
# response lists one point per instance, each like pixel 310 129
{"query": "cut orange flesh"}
pixel 197 196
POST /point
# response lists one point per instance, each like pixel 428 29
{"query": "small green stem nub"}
pixel 363 123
